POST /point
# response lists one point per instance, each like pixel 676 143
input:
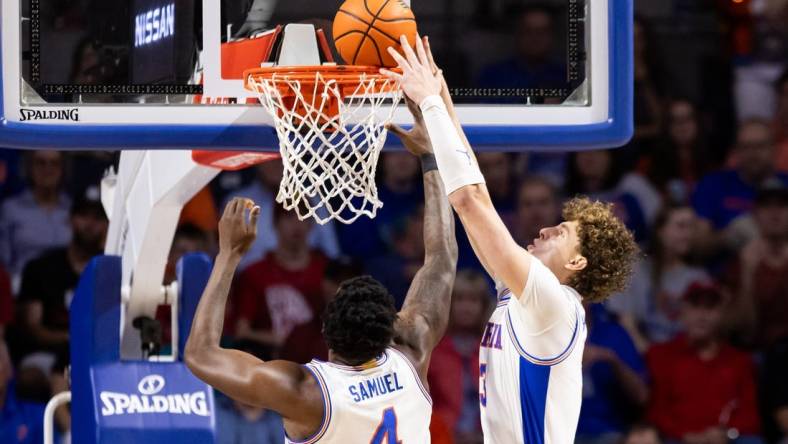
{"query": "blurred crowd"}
pixel 695 351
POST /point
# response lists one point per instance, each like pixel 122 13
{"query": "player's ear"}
pixel 577 263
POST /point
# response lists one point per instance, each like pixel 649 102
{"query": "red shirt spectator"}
pixel 700 385
pixel 306 341
pixel 284 289
pixel 275 298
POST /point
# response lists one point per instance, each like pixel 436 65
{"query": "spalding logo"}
pixel 149 401
pixel 150 385
pixel 49 114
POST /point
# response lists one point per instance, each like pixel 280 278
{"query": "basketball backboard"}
pixel 147 74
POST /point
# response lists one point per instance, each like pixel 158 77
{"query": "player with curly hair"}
pixel 532 348
pixel 373 387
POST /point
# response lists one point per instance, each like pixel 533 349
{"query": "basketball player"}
pixel 531 352
pixel 373 387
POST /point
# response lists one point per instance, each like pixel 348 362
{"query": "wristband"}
pixel 428 163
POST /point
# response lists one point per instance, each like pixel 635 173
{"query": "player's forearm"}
pixel 209 318
pixel 430 292
pixel 439 240
pixel 456 162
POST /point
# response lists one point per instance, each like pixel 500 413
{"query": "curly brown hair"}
pixel 607 245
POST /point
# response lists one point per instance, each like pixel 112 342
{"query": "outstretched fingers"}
pixel 254 216
pixel 403 64
pixel 430 58
pixel 391 74
pixel 411 56
pixel 422 53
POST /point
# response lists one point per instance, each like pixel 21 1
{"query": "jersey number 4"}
pixel 387 429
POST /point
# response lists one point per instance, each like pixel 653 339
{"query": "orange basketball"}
pixel 365 29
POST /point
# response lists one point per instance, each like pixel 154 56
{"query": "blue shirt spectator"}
pixel 37 219
pixel 613 380
pixel 723 196
pixel 21 422
pixel 240 424
pixel 723 200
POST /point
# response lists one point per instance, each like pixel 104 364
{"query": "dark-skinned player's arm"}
pixel 277 385
pixel 425 312
pixel 494 245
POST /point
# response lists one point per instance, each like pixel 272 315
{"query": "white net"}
pixel 330 134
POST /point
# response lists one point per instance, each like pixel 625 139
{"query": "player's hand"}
pixel 417 140
pixel 418 79
pixel 237 230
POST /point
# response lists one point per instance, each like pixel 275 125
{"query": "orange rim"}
pixel 347 76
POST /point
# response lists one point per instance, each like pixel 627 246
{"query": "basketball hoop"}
pixel 330 121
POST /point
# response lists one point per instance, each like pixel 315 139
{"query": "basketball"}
pixel 365 29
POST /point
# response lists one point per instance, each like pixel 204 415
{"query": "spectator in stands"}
pixel 534 64
pixel 614 380
pixel 401 190
pixel 21 420
pixel 454 368
pixel 263 192
pixel 758 277
pixel 642 434
pixel 188 239
pixel 594 174
pixel 682 158
pixel 649 307
pixel 238 423
pixel 722 198
pixel 36 219
pixel 306 341
pixel 283 290
pixel 48 281
pixel 397 269
pixel 498 172
pixel 538 206
pixel 703 390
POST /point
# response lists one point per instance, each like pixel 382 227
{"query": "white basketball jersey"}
pixel 530 384
pixel 383 403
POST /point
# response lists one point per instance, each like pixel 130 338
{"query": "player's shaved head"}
pixel 358 325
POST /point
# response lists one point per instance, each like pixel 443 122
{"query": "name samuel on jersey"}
pixel 373 387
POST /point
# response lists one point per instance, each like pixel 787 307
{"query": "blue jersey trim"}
pixel 325 394
pixel 539 361
pixel 534 380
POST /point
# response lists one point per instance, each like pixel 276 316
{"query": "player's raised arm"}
pixel 276 385
pixel 462 179
pixel 425 313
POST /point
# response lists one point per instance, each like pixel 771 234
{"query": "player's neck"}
pixel 336 359
pixel 558 269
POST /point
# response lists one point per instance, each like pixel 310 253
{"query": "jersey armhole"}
pixel 538 360
pixel 325 394
pixel 415 374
